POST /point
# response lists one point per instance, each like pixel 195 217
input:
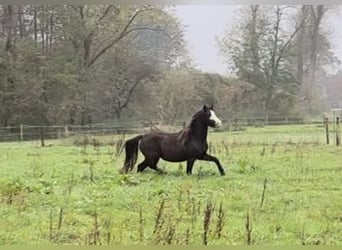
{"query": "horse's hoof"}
pixel 223 173
pixel 122 171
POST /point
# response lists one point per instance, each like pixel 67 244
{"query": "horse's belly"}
pixel 173 154
pixel 174 158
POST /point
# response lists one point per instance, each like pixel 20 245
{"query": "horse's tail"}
pixel 131 149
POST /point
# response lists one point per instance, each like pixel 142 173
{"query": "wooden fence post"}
pixel 337 131
pixel 21 132
pixel 235 123
pixel 66 131
pixel 41 134
pixel 326 123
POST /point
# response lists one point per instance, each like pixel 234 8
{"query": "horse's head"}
pixel 210 117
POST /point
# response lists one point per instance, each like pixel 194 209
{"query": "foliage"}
pixel 59 62
pixel 268 48
pixel 83 64
pixel 259 53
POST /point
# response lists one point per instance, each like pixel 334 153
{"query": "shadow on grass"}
pixel 199 174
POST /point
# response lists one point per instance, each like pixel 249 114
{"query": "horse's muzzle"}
pixel 218 124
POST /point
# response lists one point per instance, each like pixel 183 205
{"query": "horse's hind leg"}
pixel 149 163
pixel 142 165
pixel 153 165
pixel 152 155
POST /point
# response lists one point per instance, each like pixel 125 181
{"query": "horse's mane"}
pixel 186 133
pixel 184 136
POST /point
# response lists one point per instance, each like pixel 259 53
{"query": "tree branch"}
pixel 282 50
pixel 137 81
pixel 106 12
pixel 122 34
pixel 275 45
pixel 81 11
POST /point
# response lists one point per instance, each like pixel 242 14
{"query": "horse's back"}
pixel 151 143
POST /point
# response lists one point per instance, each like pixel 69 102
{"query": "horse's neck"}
pixel 199 132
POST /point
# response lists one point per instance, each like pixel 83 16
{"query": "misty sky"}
pixel 205 22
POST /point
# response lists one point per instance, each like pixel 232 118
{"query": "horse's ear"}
pixel 205 107
pixel 212 106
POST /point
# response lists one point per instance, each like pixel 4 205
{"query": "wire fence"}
pixel 24 132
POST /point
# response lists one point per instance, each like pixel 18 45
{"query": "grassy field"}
pixel 283 186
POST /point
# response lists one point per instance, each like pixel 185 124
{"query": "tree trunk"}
pixel 300 55
pixel 87 47
pixel 254 39
pixel 43 40
pixel 267 103
pixel 20 15
pixel 51 33
pixel 47 39
pixel 35 26
pixel 317 17
pixel 118 112
pixel 11 28
pixel 8 88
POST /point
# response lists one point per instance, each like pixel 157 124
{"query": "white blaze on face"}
pixel 214 118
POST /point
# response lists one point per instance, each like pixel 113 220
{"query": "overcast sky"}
pixel 205 22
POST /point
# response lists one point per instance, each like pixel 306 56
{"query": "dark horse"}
pixel 189 144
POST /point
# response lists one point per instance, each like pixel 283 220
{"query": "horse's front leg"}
pixel 207 157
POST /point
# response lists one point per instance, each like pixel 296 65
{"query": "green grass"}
pixel 67 194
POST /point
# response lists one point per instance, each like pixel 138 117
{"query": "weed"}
pixel 209 209
pixel 221 216
pixel 248 227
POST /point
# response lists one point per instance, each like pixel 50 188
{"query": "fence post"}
pixel 66 131
pixel 41 134
pixel 235 123
pixel 337 131
pixel 21 132
pixel 326 123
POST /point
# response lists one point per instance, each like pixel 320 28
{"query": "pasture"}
pixel 283 185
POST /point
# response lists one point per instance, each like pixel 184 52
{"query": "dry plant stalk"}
pixel 248 226
pixel 170 234
pixel 50 226
pixel 263 193
pixel 159 222
pixel 220 221
pixel 206 223
pixel 60 218
pixel 141 225
pixel 187 236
